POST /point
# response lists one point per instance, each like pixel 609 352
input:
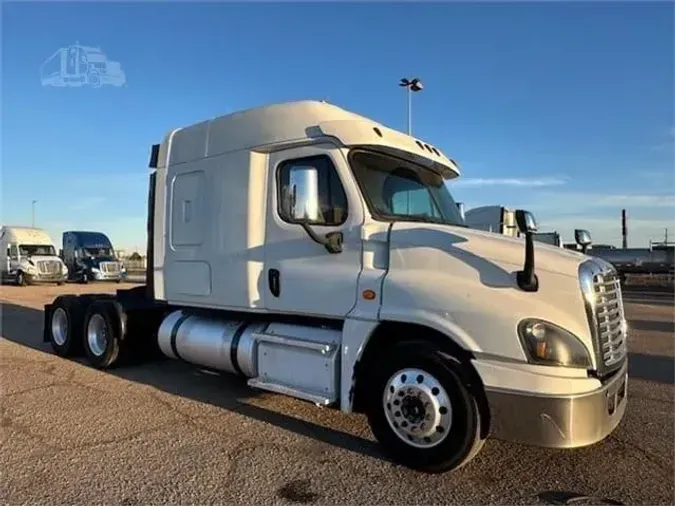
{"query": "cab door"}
pixel 313 242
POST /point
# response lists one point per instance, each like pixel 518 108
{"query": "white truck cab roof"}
pixel 265 128
pixel 25 235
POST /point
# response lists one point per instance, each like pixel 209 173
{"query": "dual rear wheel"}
pixel 80 325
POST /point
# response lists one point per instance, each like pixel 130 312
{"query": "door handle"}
pixel 273 279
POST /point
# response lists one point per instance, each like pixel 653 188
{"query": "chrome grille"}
pixel 110 267
pixel 610 320
pixel 49 267
pixel 606 319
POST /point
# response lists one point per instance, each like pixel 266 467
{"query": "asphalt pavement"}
pixel 165 433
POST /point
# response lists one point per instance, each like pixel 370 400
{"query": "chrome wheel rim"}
pixel 97 335
pixel 417 408
pixel 59 326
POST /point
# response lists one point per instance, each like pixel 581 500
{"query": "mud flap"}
pixel 47 313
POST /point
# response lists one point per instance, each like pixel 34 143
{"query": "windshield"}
pixel 396 189
pixel 97 252
pixel 27 250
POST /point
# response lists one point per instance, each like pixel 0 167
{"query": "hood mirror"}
pixel 527 279
pixel 525 221
pixel 583 239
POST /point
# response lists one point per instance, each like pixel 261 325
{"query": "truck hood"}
pixel 42 258
pixel 462 282
pixel 491 246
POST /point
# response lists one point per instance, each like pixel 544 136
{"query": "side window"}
pixel 12 252
pixel 309 189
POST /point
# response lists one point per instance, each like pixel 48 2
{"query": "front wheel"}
pixel 21 279
pixel 421 411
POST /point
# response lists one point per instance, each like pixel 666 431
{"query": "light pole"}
pixel 412 85
pixel 32 213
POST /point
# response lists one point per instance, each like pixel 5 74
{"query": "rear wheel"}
pixel 64 335
pixel 102 334
pixel 421 411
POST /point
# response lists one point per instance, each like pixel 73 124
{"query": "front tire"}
pixel 21 279
pixel 420 409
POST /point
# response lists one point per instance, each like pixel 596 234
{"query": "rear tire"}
pixel 64 330
pixel 103 334
pixel 420 409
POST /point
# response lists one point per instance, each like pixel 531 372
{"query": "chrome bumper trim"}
pixel 558 421
pixel 46 278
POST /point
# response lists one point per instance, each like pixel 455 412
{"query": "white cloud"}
pixel 528 182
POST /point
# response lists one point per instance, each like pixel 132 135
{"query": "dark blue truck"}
pixel 90 256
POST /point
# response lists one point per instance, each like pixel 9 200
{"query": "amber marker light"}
pixel 369 295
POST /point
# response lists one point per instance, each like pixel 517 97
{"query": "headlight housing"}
pixel 30 268
pixel 547 344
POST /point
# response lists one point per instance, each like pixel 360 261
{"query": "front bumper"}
pixel 102 276
pixel 559 421
pixel 46 278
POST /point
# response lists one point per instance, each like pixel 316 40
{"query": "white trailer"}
pixel 502 220
pixel 320 255
pixel 28 256
pixel 496 219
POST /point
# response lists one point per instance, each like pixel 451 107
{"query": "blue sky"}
pixel 563 108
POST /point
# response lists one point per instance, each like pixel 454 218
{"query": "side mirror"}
pixel 304 206
pixel 460 209
pixel 583 238
pixel 304 184
pixel 525 221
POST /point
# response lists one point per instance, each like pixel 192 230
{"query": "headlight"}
pixel 547 344
pixel 95 269
pixel 64 269
pixel 30 268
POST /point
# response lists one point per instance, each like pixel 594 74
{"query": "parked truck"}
pixel 502 220
pixel 320 255
pixel 90 256
pixel 28 256
pixel 496 219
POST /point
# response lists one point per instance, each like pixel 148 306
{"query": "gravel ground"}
pixel 164 433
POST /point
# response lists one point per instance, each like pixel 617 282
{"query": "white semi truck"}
pixel 28 256
pixel 320 255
